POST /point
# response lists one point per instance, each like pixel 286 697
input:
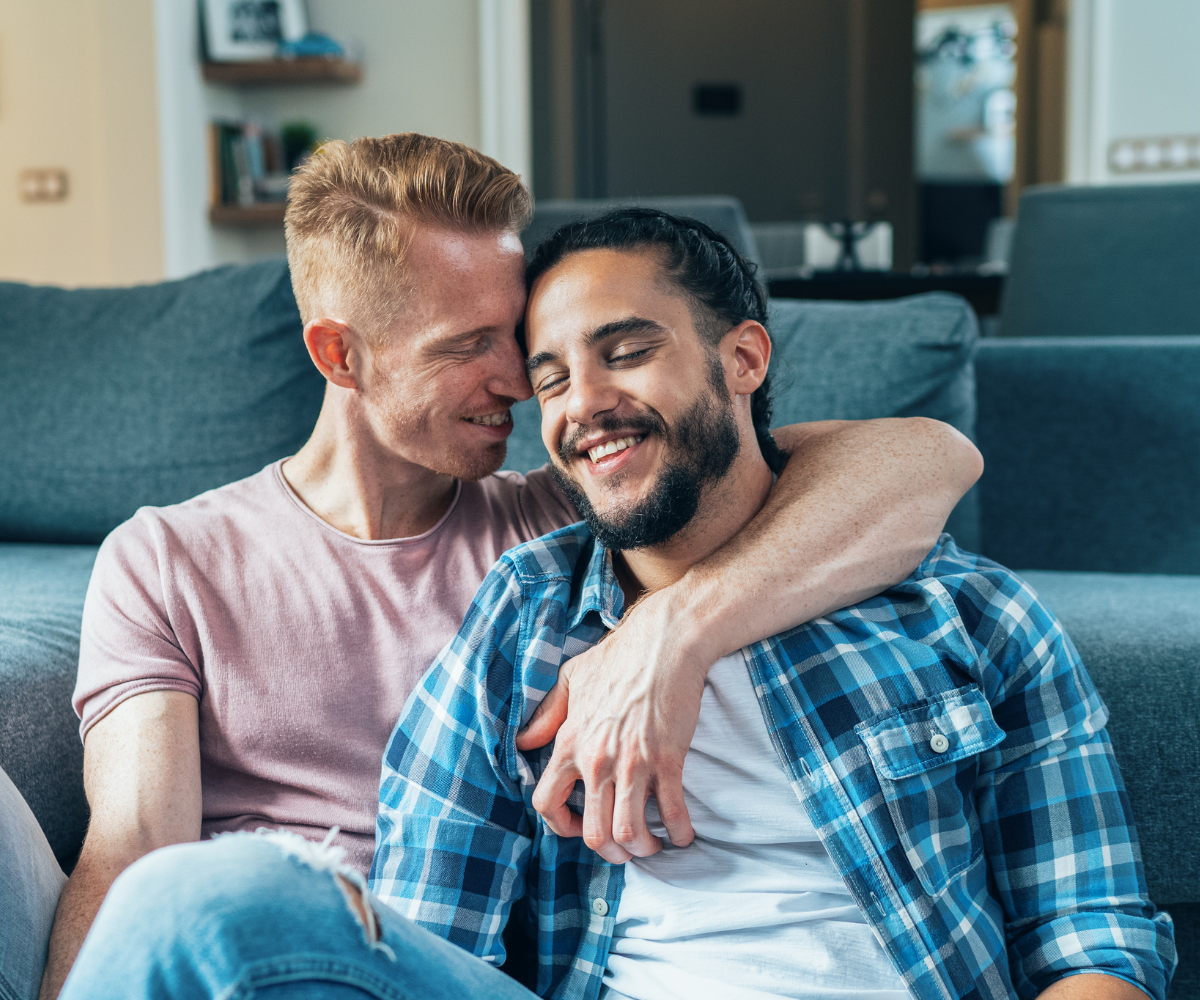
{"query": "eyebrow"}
pixel 631 324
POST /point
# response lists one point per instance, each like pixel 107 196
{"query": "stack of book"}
pixel 246 165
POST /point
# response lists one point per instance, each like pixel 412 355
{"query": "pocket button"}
pixel 939 743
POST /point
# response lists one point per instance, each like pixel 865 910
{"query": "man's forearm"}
pixel 77 908
pixel 854 512
pixel 141 772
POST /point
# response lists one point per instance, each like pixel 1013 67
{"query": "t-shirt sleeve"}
pixel 128 646
pixel 544 506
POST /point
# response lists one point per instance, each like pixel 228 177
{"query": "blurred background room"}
pixel 878 147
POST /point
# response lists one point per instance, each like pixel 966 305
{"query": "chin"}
pixel 472 465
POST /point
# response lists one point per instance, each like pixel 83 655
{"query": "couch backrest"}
pixel 723 213
pixel 1092 452
pixel 851 361
pixel 115 398
pixel 1105 261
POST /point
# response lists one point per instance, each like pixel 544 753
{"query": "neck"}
pixel 346 476
pixel 725 508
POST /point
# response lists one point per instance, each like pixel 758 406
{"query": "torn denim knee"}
pixel 329 857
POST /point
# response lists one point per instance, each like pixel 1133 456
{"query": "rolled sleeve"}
pixel 127 644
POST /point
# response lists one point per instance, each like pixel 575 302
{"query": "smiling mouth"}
pixel 490 419
pixel 612 447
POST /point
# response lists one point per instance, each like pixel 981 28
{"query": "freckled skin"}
pixel 425 375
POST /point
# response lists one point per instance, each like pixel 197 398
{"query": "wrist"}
pixel 685 614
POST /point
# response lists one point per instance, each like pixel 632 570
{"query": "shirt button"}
pixel 939 743
pixel 599 907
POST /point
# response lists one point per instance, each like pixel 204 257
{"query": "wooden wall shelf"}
pixel 272 71
pixel 267 214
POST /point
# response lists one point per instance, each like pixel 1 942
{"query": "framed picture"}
pixel 249 30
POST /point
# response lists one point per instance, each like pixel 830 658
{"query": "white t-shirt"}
pixel 754 907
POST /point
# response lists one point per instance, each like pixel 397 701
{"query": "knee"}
pixel 177 884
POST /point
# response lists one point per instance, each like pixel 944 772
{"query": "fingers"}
pixel 547 718
pixel 597 825
pixel 629 828
pixel 550 800
pixel 672 809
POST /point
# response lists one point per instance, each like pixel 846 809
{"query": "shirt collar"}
pixel 597 590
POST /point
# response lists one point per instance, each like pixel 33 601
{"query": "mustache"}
pixel 638 423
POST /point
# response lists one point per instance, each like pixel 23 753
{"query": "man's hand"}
pixel 626 735
pixel 855 511
pixel 141 772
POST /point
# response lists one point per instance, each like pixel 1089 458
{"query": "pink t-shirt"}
pixel 301 643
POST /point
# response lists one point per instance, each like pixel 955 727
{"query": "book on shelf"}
pixel 246 165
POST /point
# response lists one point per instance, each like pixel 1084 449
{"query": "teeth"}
pixel 491 419
pixel 612 447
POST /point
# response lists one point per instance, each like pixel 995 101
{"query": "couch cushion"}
pixel 1139 636
pixel 154 394
pixel 851 361
pixel 1091 453
pixel 41 603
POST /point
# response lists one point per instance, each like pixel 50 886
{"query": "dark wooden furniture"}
pixel 981 290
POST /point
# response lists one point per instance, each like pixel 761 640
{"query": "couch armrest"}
pixel 1092 451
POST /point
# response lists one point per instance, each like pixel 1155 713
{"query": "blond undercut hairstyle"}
pixel 351 213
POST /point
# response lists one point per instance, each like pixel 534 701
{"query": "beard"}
pixel 699 450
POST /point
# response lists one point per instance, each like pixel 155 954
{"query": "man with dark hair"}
pixel 911 797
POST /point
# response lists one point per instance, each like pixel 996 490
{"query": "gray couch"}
pixel 149 395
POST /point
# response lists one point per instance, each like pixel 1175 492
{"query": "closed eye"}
pixel 631 352
pixel 552 381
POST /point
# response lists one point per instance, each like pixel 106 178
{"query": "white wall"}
pixel 1134 74
pixel 421 72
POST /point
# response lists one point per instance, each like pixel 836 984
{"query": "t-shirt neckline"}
pixel 290 493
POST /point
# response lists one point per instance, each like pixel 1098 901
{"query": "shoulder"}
pixel 160 542
pixel 532 573
pixel 257 495
pixel 532 503
pixel 553 556
pixel 991 600
pixel 513 630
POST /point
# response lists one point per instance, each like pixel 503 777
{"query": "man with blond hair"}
pixel 245 654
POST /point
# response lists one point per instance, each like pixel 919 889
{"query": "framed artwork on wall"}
pixel 249 30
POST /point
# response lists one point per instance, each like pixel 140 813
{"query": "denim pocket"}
pixel 926 759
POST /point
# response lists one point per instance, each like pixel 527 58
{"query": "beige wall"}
pixel 77 91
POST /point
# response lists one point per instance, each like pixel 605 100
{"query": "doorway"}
pixel 802 109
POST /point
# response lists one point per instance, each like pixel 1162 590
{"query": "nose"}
pixel 509 378
pixel 589 395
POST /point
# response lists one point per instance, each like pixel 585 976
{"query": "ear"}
pixel 749 344
pixel 329 343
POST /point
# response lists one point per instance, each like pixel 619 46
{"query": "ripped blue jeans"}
pixel 270 916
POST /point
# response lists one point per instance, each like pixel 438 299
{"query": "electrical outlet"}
pixel 1171 152
pixel 42 184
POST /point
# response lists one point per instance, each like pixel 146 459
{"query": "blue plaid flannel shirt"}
pixel 989 870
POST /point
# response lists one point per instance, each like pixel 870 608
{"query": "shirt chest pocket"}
pixel 926 759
